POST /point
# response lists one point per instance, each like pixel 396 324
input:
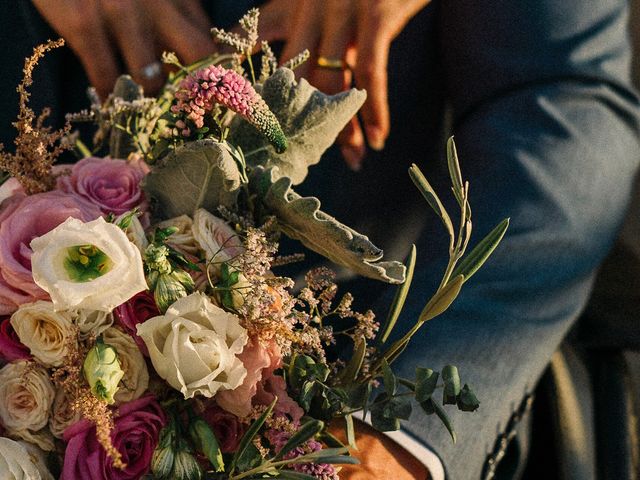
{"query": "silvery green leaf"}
pixel 300 218
pixel 310 120
pixel 200 174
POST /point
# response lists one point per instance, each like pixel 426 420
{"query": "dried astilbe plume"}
pixel 70 378
pixel 37 146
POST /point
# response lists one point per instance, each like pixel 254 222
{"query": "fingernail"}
pixel 375 138
pixel 353 157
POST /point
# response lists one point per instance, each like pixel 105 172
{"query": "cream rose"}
pixel 45 332
pixel 92 322
pixel 183 237
pixel 22 461
pixel 89 265
pixel 136 376
pixel 194 346
pixel 26 397
pixel 135 231
pixel 63 415
pixel 219 242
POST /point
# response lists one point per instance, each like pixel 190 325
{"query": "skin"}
pixel 359 32
pixel 101 32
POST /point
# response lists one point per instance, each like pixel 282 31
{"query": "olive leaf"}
pixel 300 218
pixel 310 120
pixel 200 174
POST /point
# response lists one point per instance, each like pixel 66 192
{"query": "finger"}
pixel 90 41
pixel 371 74
pixel 304 32
pixel 337 33
pixel 127 22
pixel 351 141
pixel 275 20
pixel 177 32
pixel 195 13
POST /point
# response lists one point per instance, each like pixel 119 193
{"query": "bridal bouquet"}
pixel 144 329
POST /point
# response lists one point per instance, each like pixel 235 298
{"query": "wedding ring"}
pixel 331 63
pixel 151 71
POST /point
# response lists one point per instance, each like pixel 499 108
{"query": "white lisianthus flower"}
pixel 22 461
pixel 136 376
pixel 194 346
pixel 45 332
pixel 26 397
pixel 89 265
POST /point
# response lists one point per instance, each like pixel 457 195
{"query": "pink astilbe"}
pixel 202 90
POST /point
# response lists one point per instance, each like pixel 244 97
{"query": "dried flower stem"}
pixel 37 147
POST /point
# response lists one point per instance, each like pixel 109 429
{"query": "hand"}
pixel 141 30
pixel 360 33
pixel 380 457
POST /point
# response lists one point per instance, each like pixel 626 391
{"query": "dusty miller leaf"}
pixel 301 218
pixel 310 120
pixel 200 174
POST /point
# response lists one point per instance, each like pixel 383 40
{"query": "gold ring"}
pixel 331 63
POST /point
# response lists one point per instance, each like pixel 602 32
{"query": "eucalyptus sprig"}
pixel 352 388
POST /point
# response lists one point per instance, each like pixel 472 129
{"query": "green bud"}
pixel 156 258
pixel 167 290
pixel 186 467
pixel 162 463
pixel 102 370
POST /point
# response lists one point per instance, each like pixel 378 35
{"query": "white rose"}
pixel 183 237
pixel 63 415
pixel 87 265
pixel 135 231
pixel 45 332
pixel 22 461
pixel 92 322
pixel 219 242
pixel 194 346
pixel 26 396
pixel 136 376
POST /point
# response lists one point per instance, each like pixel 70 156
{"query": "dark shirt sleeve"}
pixel 547 128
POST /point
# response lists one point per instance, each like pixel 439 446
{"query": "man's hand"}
pixel 100 32
pixel 356 32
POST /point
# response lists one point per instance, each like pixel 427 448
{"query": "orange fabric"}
pixel 380 457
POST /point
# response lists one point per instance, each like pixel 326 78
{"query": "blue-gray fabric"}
pixel 546 125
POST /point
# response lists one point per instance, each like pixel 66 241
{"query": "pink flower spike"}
pixel 201 90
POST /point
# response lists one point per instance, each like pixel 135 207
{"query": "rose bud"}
pixel 102 371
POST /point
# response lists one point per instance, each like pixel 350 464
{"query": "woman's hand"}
pixel 101 32
pixel 357 33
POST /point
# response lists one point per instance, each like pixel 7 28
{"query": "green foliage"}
pixel 426 382
pixel 310 120
pixel 300 218
pixel 451 381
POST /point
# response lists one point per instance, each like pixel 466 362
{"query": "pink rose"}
pixel 227 427
pixel 112 185
pixel 273 386
pixel 256 358
pixel 261 385
pixel 23 218
pixel 11 348
pixel 135 436
pixel 138 309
